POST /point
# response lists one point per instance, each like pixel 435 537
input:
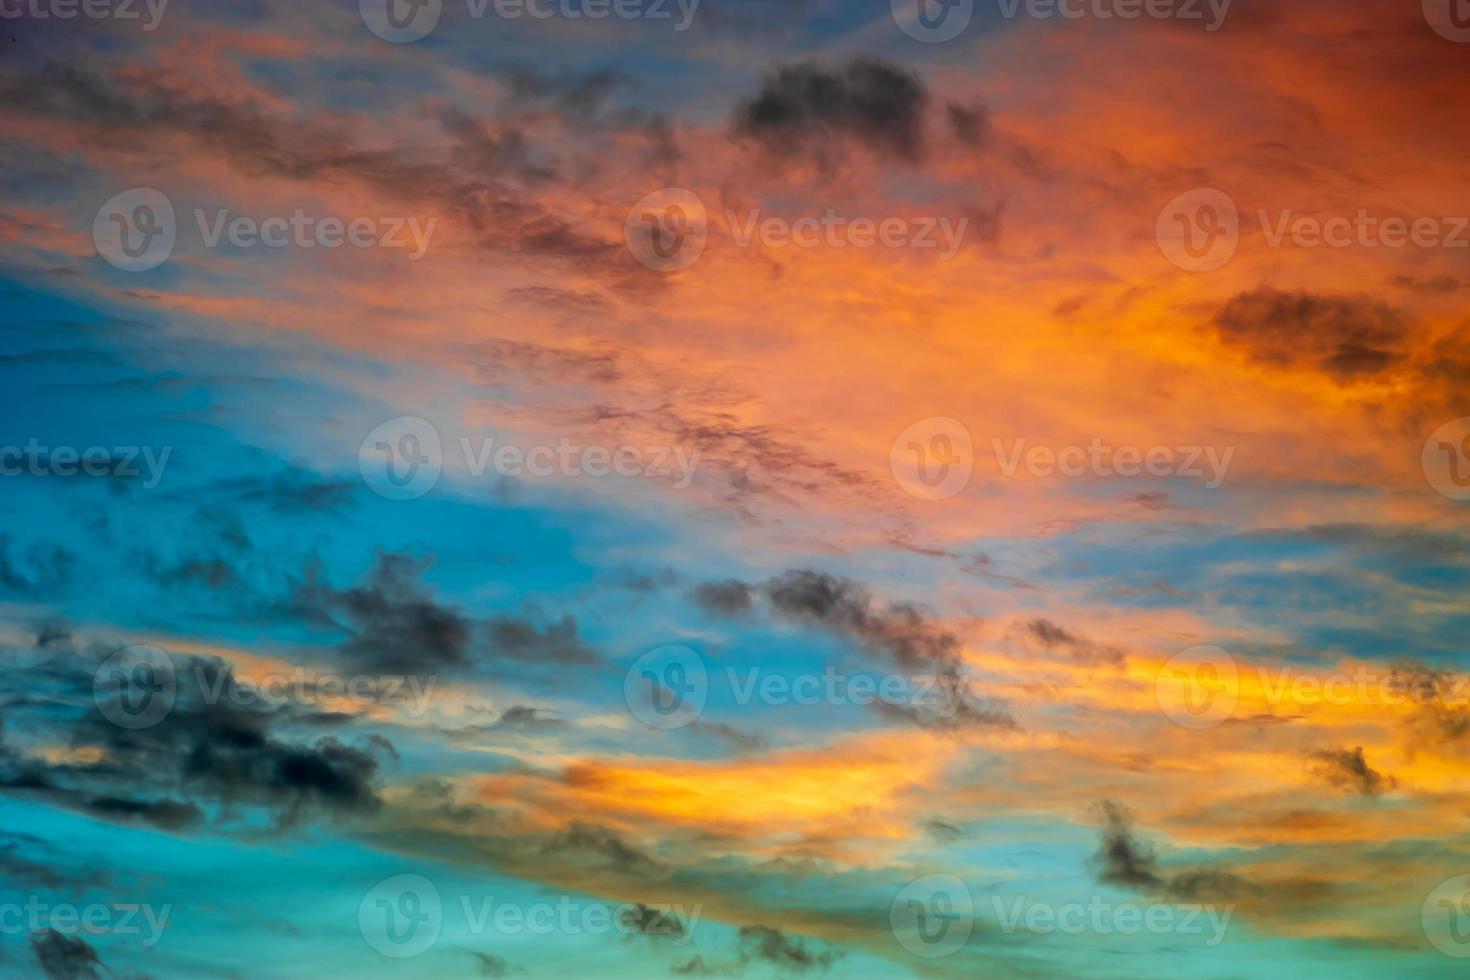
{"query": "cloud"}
pixel 1343 336
pixel 65 957
pixel 1123 859
pixel 902 632
pixel 1080 649
pixel 209 748
pixel 396 626
pixel 603 843
pixel 1349 770
pixel 810 107
pixel 728 598
pixel 766 945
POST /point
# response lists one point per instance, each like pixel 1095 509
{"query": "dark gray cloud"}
pixel 1079 648
pixel 62 957
pixel 605 846
pixel 1343 336
pixel 762 944
pixel 1348 769
pixel 728 598
pixel 1122 859
pixel 814 108
pixel 394 625
pixel 903 633
pixel 211 753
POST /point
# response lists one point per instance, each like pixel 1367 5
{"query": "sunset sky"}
pixel 752 488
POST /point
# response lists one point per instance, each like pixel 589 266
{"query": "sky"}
pixel 736 488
